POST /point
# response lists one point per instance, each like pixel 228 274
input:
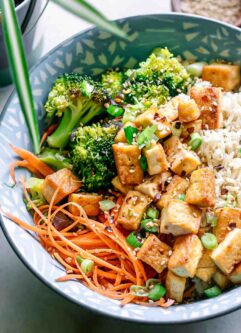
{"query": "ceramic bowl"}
pixel 92 52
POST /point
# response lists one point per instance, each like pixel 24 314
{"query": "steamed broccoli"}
pixel 112 82
pixel 55 159
pixel 75 99
pixel 92 156
pixel 34 186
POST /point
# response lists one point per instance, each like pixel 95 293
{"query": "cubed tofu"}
pixel 221 280
pixel 156 159
pixel 177 186
pixel 170 109
pixel 152 116
pixel 63 180
pixel 235 276
pixel 155 253
pixel 208 100
pixel 189 128
pixel 89 202
pixel 228 219
pixel 120 187
pixel 185 257
pixel 175 286
pixel 149 187
pixel 228 252
pixel 180 218
pixel 222 75
pixel 182 161
pixel 206 267
pixel 127 160
pixel 132 210
pixel 120 136
pixel 188 111
pixel 201 190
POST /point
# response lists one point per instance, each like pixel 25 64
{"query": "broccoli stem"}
pixel 55 159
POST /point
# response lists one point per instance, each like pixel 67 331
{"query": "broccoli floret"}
pixel 157 79
pixel 34 186
pixel 55 159
pixel 112 82
pixel 92 156
pixel 75 99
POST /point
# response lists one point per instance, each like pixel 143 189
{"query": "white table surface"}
pixel 26 304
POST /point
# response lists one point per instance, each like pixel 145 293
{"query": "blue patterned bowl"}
pixel 91 52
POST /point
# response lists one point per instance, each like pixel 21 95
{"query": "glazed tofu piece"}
pixel 182 161
pixel 63 180
pixel 132 210
pixel 188 111
pixel 89 202
pixel 189 128
pixel 201 190
pixel 228 219
pixel 120 187
pixel 175 286
pixel 228 252
pixel 222 75
pixel 187 252
pixel 152 186
pixel 156 159
pixel 235 276
pixel 208 100
pixel 152 116
pixel 177 186
pixel 221 280
pixel 170 109
pixel 206 267
pixel 180 218
pixel 127 160
pixel 155 253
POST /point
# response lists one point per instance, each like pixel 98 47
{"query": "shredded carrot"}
pixel 23 164
pixel 49 131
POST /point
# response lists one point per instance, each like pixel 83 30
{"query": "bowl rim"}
pixel 24 260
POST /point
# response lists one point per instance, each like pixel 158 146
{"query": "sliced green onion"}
pixel 239 150
pixel 86 264
pixel 86 88
pixel 143 163
pixel 145 137
pixel 149 225
pixel 115 111
pixel 129 133
pixel 182 197
pixel 212 219
pixel 212 292
pixel 106 205
pixel 195 141
pixel 139 291
pixel 157 292
pixel 230 201
pixel 151 282
pixel 209 241
pixel 152 213
pixel 133 241
pixel 34 184
pixel 195 69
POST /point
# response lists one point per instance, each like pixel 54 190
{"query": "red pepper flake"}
pixel 224 191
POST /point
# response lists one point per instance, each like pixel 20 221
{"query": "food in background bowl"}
pixel 136 191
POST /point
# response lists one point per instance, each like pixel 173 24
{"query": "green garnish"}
pixel 115 111
pixel 87 265
pixel 152 213
pixel 212 219
pixel 195 141
pixel 181 197
pixel 130 131
pixel 157 292
pixel 133 241
pixel 86 88
pixel 143 163
pixel 145 137
pixel 212 292
pixel 209 241
pixel 106 205
pixel 139 291
pixel 149 225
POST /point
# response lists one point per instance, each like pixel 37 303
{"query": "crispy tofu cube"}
pixel 188 111
pixel 222 75
pixel 206 267
pixel 175 286
pixel 89 202
pixel 187 252
pixel 63 180
pixel 152 116
pixel 235 276
pixel 170 109
pixel 154 185
pixel 154 253
pixel 132 210
pixel 128 163
pixel 120 187
pixel 208 100
pixel 156 159
pixel 228 219
pixel 189 128
pixel 180 218
pixel 182 161
pixel 228 252
pixel 177 186
pixel 221 280
pixel 201 191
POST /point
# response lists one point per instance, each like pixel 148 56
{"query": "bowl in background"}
pixel 92 52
